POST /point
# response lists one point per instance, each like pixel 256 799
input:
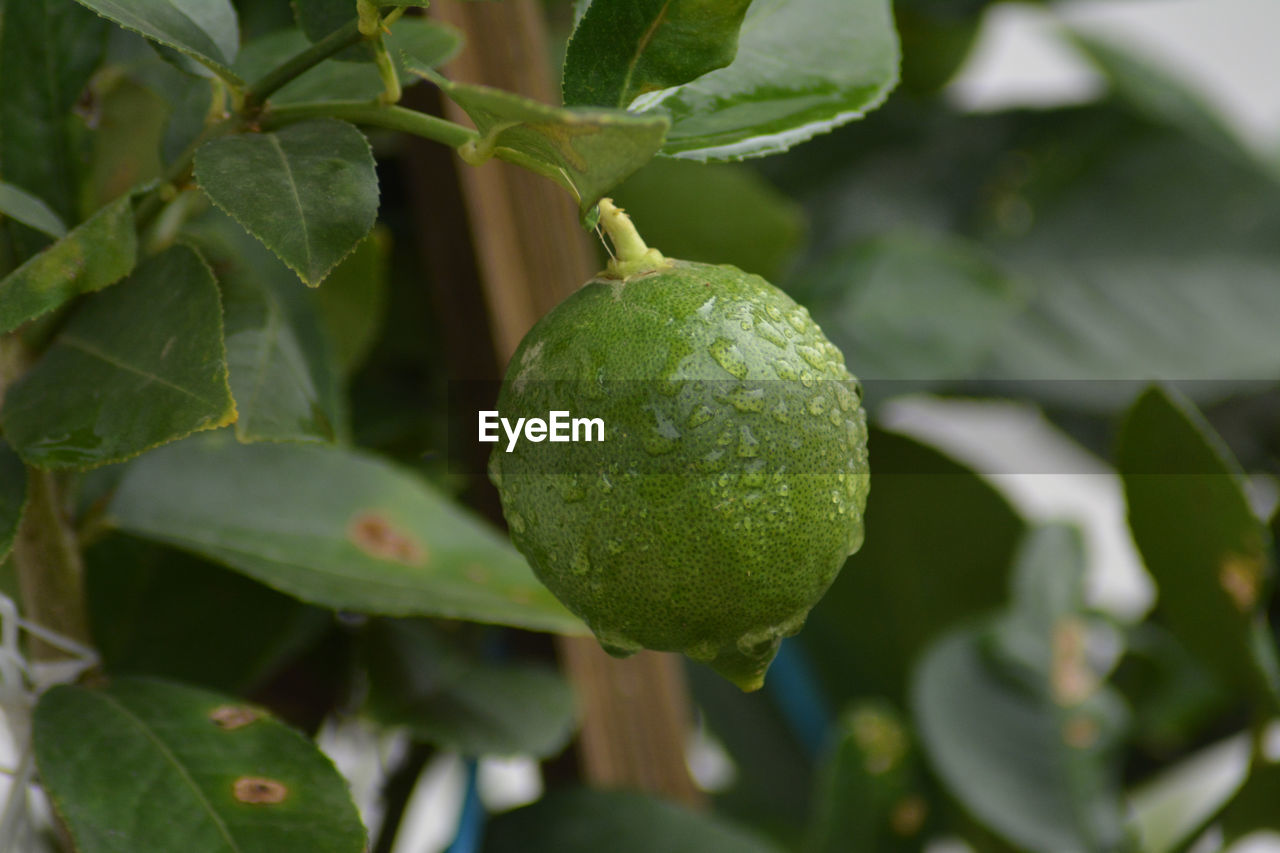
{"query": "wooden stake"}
pixel 531 253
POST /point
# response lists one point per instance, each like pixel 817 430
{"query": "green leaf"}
pixel 867 798
pixel 1158 93
pixel 156 611
pixel 309 191
pixel 207 31
pixel 151 765
pixel 444 697
pixel 282 373
pixel 803 67
pixel 714 213
pixel 586 151
pixel 20 205
pixel 13 497
pixel 137 366
pixel 939 544
pixel 1210 556
pixel 588 821
pixel 334 527
pixel 1254 806
pixel 1113 230
pixel 48 51
pixel 911 307
pixel 623 48
pixel 1027 750
pixel 353 301
pixel 430 43
pixel 98 252
pixel 124 153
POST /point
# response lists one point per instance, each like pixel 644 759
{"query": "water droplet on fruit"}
pixel 572 489
pixel 700 416
pixel 705 309
pixel 774 314
pixel 728 356
pixel 780 413
pixel 806 379
pixel 811 355
pixel 745 399
pixel 748 445
pixel 785 370
pixel 703 652
pixel 798 320
pixel 516 521
pixel 771 334
pixel 817 405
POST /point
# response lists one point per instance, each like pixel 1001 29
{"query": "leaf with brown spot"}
pixel 336 527
pixel 1208 553
pixel 101 752
pixel 259 791
pixel 232 717
pixel 379 537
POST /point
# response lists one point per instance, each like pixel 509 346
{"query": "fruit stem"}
pixel 632 256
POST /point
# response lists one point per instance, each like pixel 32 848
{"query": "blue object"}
pixel 471 821
pixel 793 686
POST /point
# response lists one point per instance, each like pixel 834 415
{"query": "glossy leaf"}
pixel 308 192
pixel 422 682
pixel 138 365
pixel 207 31
pixel 282 372
pixel 623 48
pixel 13 497
pixel 939 544
pixel 586 151
pixel 98 252
pixel 867 797
pixel 910 307
pixel 1210 556
pixel 803 67
pixel 159 612
pixel 214 774
pixel 587 821
pixel 430 43
pixel 43 77
pixel 1015 715
pixel 334 527
pixel 21 206
pixel 353 301
pixel 714 213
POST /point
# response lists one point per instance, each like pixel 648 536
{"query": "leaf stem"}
pixel 372 114
pixel 632 255
pixel 291 69
pixel 50 567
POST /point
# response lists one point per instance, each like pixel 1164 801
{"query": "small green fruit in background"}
pixel 731 482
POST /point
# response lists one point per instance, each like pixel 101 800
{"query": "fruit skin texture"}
pixel 731 483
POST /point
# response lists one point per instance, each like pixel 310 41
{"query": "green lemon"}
pixel 730 483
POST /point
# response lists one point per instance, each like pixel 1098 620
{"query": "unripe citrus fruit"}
pixel 731 481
